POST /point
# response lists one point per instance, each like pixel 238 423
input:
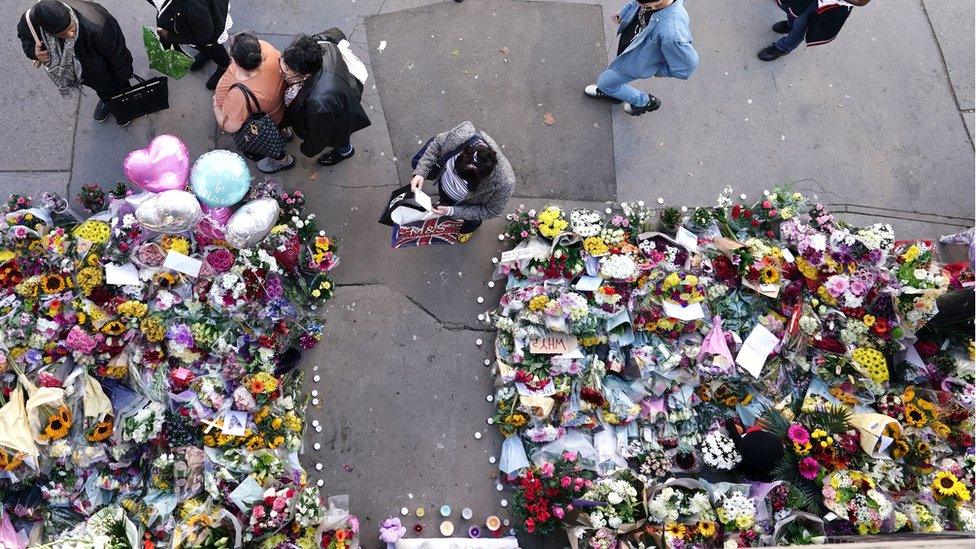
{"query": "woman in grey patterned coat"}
pixel 473 177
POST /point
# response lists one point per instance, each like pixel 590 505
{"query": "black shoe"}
pixel 596 93
pixel 121 123
pixel 215 78
pixel 333 157
pixel 101 111
pixel 199 61
pixel 653 105
pixel 782 27
pixel 771 53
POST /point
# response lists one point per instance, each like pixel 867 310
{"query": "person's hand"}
pixel 40 53
pixel 417 183
pixel 615 18
pixel 163 33
pixel 441 210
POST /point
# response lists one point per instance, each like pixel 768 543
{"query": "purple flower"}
pixel 180 334
pixel 273 287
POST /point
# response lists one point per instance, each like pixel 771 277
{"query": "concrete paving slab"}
pixel 968 118
pixel 300 16
pixel 831 114
pixel 401 399
pixel 34 183
pixel 449 70
pixel 953 23
pixel 38 122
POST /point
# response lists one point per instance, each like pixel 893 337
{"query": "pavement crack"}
pixel 451 326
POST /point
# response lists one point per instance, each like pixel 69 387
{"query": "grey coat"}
pixel 492 195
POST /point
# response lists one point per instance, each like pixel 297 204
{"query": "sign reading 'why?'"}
pixel 553 344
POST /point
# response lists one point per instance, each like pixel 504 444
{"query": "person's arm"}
pixel 493 207
pixel 680 57
pixel 321 127
pixel 26 39
pixel 110 44
pixel 231 112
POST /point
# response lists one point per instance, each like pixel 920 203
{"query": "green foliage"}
pixel 670 219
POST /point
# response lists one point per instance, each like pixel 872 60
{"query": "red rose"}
pixel 755 223
pixel 529 525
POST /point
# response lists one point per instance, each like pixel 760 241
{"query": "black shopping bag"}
pixel 146 97
pixel 402 208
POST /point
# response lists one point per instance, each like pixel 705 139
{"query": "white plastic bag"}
pixel 513 457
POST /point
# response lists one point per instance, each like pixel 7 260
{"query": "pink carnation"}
pixel 79 340
pixel 569 456
pixel 837 285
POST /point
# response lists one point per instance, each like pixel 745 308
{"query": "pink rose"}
pixel 565 482
pixel 278 505
pixel 547 469
pixel 569 456
pixel 558 512
pixel 258 512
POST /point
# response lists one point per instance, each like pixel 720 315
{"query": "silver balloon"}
pixel 251 222
pixel 170 212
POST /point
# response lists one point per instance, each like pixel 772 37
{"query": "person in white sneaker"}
pixel 655 40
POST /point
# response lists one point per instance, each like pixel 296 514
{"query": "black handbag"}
pixel 148 96
pixel 259 136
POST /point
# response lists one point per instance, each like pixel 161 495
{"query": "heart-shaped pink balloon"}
pixel 162 166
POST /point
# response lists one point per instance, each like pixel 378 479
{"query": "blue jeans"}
pixel 798 29
pixel 615 85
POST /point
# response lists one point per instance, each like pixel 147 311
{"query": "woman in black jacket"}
pixel 322 97
pixel 196 23
pixel 78 43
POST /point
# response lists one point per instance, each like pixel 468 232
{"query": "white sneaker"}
pixel 596 93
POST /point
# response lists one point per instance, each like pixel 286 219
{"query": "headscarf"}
pixel 62 67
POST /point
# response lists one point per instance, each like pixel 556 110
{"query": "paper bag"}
pixel 871 426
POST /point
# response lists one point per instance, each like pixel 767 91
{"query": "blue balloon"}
pixel 220 178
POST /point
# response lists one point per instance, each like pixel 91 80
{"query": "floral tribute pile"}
pixel 143 406
pixel 741 375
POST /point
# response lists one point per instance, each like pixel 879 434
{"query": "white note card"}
pixel 183 263
pixel 122 275
pixel 235 423
pixel 687 239
pixel 693 311
pixel 588 283
pixel 755 350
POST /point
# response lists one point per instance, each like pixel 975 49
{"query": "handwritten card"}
pixel 235 423
pixel 183 263
pixel 122 275
pixel 532 249
pixel 693 311
pixel 755 350
pixel 553 344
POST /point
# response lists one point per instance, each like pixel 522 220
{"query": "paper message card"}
pixel 235 423
pixel 555 344
pixel 687 239
pixel 693 311
pixel 588 283
pixel 183 263
pixel 533 249
pixel 122 275
pixel 424 200
pixel 755 350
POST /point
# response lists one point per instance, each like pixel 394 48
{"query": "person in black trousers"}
pixel 196 23
pixel 78 43
pixel 322 97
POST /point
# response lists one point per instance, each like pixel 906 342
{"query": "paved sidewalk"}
pixel 875 124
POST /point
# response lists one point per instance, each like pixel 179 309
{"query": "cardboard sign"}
pixel 553 344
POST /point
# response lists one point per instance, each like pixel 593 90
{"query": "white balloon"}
pixel 251 222
pixel 170 212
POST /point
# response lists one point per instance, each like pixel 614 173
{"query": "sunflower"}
pixel 10 461
pixel 113 328
pixel 914 416
pixel 946 484
pixel 769 274
pixel 58 424
pixel 101 431
pixel 165 279
pixel 707 529
pixel 254 443
pixel 152 328
pixel 940 429
pixel 677 529
pixel 899 449
pixel 52 283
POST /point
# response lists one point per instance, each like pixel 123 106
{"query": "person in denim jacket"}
pixel 655 40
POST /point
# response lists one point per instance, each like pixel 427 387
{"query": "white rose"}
pixel 614 522
pixel 614 498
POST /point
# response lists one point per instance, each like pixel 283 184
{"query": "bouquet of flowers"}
pixel 718 451
pixel 620 498
pixel 271 513
pixel 545 494
pixel 853 497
